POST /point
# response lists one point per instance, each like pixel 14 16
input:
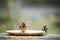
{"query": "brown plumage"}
pixel 45 28
pixel 23 27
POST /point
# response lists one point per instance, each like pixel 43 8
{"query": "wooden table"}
pixel 5 36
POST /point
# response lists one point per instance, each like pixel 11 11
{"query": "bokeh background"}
pixel 35 13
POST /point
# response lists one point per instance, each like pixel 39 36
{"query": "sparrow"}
pixel 45 28
pixel 23 27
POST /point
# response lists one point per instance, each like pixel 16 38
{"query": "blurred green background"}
pixel 35 13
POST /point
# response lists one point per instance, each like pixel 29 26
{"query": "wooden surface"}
pixel 27 32
pixel 5 36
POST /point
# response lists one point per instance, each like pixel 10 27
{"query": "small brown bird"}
pixel 45 28
pixel 23 27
